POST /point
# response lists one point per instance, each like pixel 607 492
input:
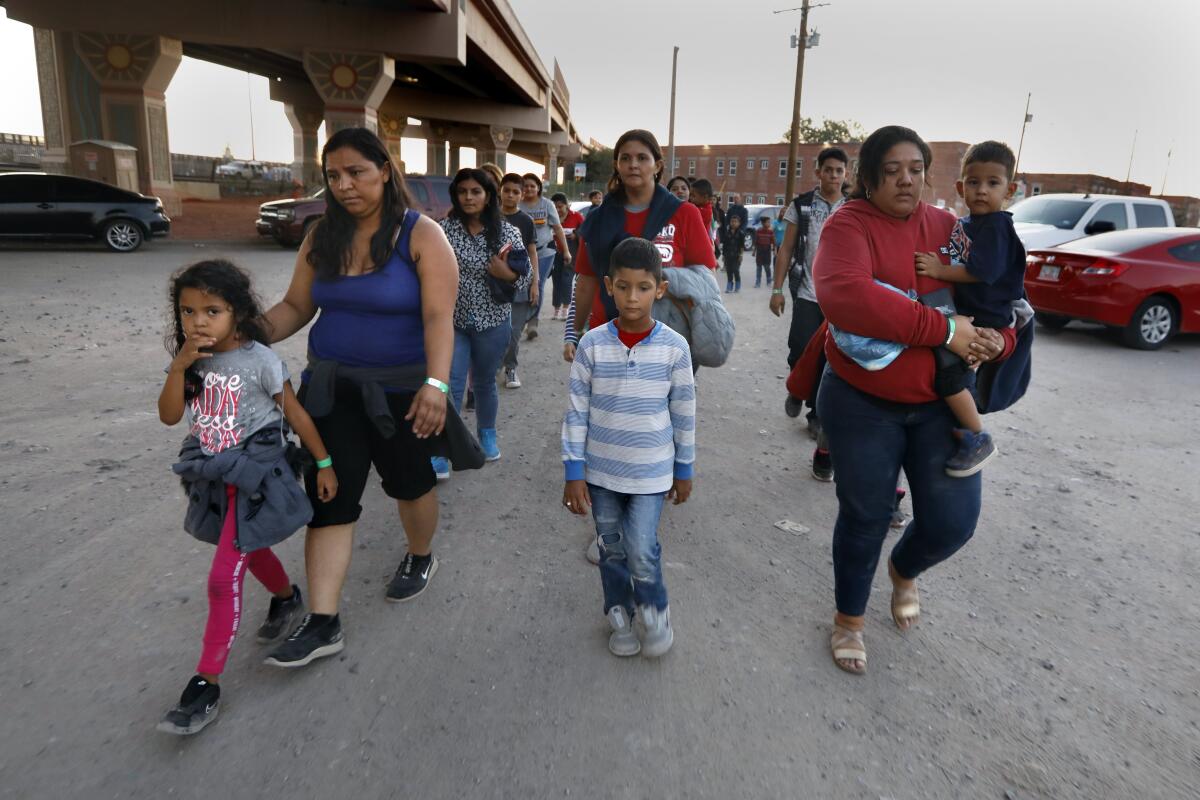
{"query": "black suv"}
pixel 34 205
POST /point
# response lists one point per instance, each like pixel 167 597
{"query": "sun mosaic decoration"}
pixel 116 57
pixel 343 76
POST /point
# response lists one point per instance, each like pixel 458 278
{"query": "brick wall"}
pixel 750 178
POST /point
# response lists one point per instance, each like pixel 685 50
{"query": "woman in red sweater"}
pixel 879 422
pixel 636 205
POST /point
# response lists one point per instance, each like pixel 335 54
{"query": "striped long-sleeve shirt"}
pixel 631 424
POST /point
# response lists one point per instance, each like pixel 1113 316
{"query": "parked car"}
pixel 1144 281
pixel 1051 219
pixel 241 169
pixel 37 205
pixel 753 212
pixel 288 221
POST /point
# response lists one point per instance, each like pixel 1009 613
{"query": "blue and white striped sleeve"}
pixel 575 422
pixel 569 335
pixel 682 404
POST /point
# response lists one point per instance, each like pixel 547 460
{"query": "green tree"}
pixel 831 130
pixel 599 165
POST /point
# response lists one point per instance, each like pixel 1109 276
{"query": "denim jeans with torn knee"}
pixel 630 554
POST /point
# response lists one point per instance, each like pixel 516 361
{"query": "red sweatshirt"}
pixel 682 242
pixel 859 245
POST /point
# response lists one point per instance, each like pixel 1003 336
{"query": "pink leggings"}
pixel 225 589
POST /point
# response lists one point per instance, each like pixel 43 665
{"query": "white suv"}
pixel 1051 219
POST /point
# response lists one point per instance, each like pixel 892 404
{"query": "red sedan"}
pixel 1145 281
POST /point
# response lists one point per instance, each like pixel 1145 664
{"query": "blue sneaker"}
pixel 441 468
pixel 487 440
pixel 974 450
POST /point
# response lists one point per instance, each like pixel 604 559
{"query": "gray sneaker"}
pixel 657 635
pixel 623 642
pixel 511 380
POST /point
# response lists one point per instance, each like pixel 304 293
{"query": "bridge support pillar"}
pixel 352 85
pixel 109 86
pixel 552 164
pixel 305 111
pixel 435 155
pixel 493 146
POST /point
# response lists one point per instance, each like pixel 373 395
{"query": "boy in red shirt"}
pixel 764 249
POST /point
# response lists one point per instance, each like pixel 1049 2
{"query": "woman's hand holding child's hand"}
pixel 929 265
pixel 327 484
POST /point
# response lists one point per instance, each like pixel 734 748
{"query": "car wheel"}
pixel 1152 325
pixel 123 235
pixel 1052 321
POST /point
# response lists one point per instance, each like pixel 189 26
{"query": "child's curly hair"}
pixel 230 283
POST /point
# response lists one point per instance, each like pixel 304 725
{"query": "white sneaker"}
pixel 511 381
pixel 623 642
pixel 657 635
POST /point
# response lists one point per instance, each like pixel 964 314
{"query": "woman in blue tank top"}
pixel 384 280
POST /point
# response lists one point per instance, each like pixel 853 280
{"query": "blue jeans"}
pixel 630 555
pixel 870 440
pixel 480 352
pixel 545 267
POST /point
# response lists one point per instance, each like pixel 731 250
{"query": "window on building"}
pixel 783 168
pixel 762 199
pixel 720 166
pixel 799 167
pixel 733 166
pixel 763 165
pixel 778 199
pixel 1037 189
pixel 675 168
pixel 691 166
pixel 749 165
pixel 1149 215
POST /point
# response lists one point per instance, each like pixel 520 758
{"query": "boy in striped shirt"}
pixel 628 445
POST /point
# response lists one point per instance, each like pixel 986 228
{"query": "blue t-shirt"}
pixel 987 245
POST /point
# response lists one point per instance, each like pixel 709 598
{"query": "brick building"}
pixel 760 170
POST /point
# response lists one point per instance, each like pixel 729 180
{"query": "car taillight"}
pixel 1106 267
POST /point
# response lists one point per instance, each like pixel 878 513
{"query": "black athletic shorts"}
pixel 355 444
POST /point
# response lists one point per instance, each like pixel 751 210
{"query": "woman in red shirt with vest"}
pixel 636 205
pixel 879 422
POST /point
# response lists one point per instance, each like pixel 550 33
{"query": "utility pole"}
pixel 1028 118
pixel 794 145
pixel 1129 171
pixel 250 105
pixel 670 170
pixel 1166 170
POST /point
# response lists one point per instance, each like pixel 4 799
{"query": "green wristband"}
pixel 435 383
pixel 777 291
pixel 327 461
pixel 950 331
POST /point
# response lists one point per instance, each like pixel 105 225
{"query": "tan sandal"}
pixel 847 645
pixel 906 603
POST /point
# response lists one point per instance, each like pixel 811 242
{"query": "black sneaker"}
pixel 311 640
pixel 822 465
pixel 411 578
pixel 974 450
pixel 280 616
pixel 197 707
pixel 792 406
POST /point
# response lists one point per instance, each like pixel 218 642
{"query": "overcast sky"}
pixel 951 69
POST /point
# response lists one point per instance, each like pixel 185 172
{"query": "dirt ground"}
pixel 1058 655
pixel 230 219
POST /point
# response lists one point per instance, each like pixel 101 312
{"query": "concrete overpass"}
pixel 464 68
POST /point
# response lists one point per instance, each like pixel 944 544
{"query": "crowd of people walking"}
pixel 895 306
